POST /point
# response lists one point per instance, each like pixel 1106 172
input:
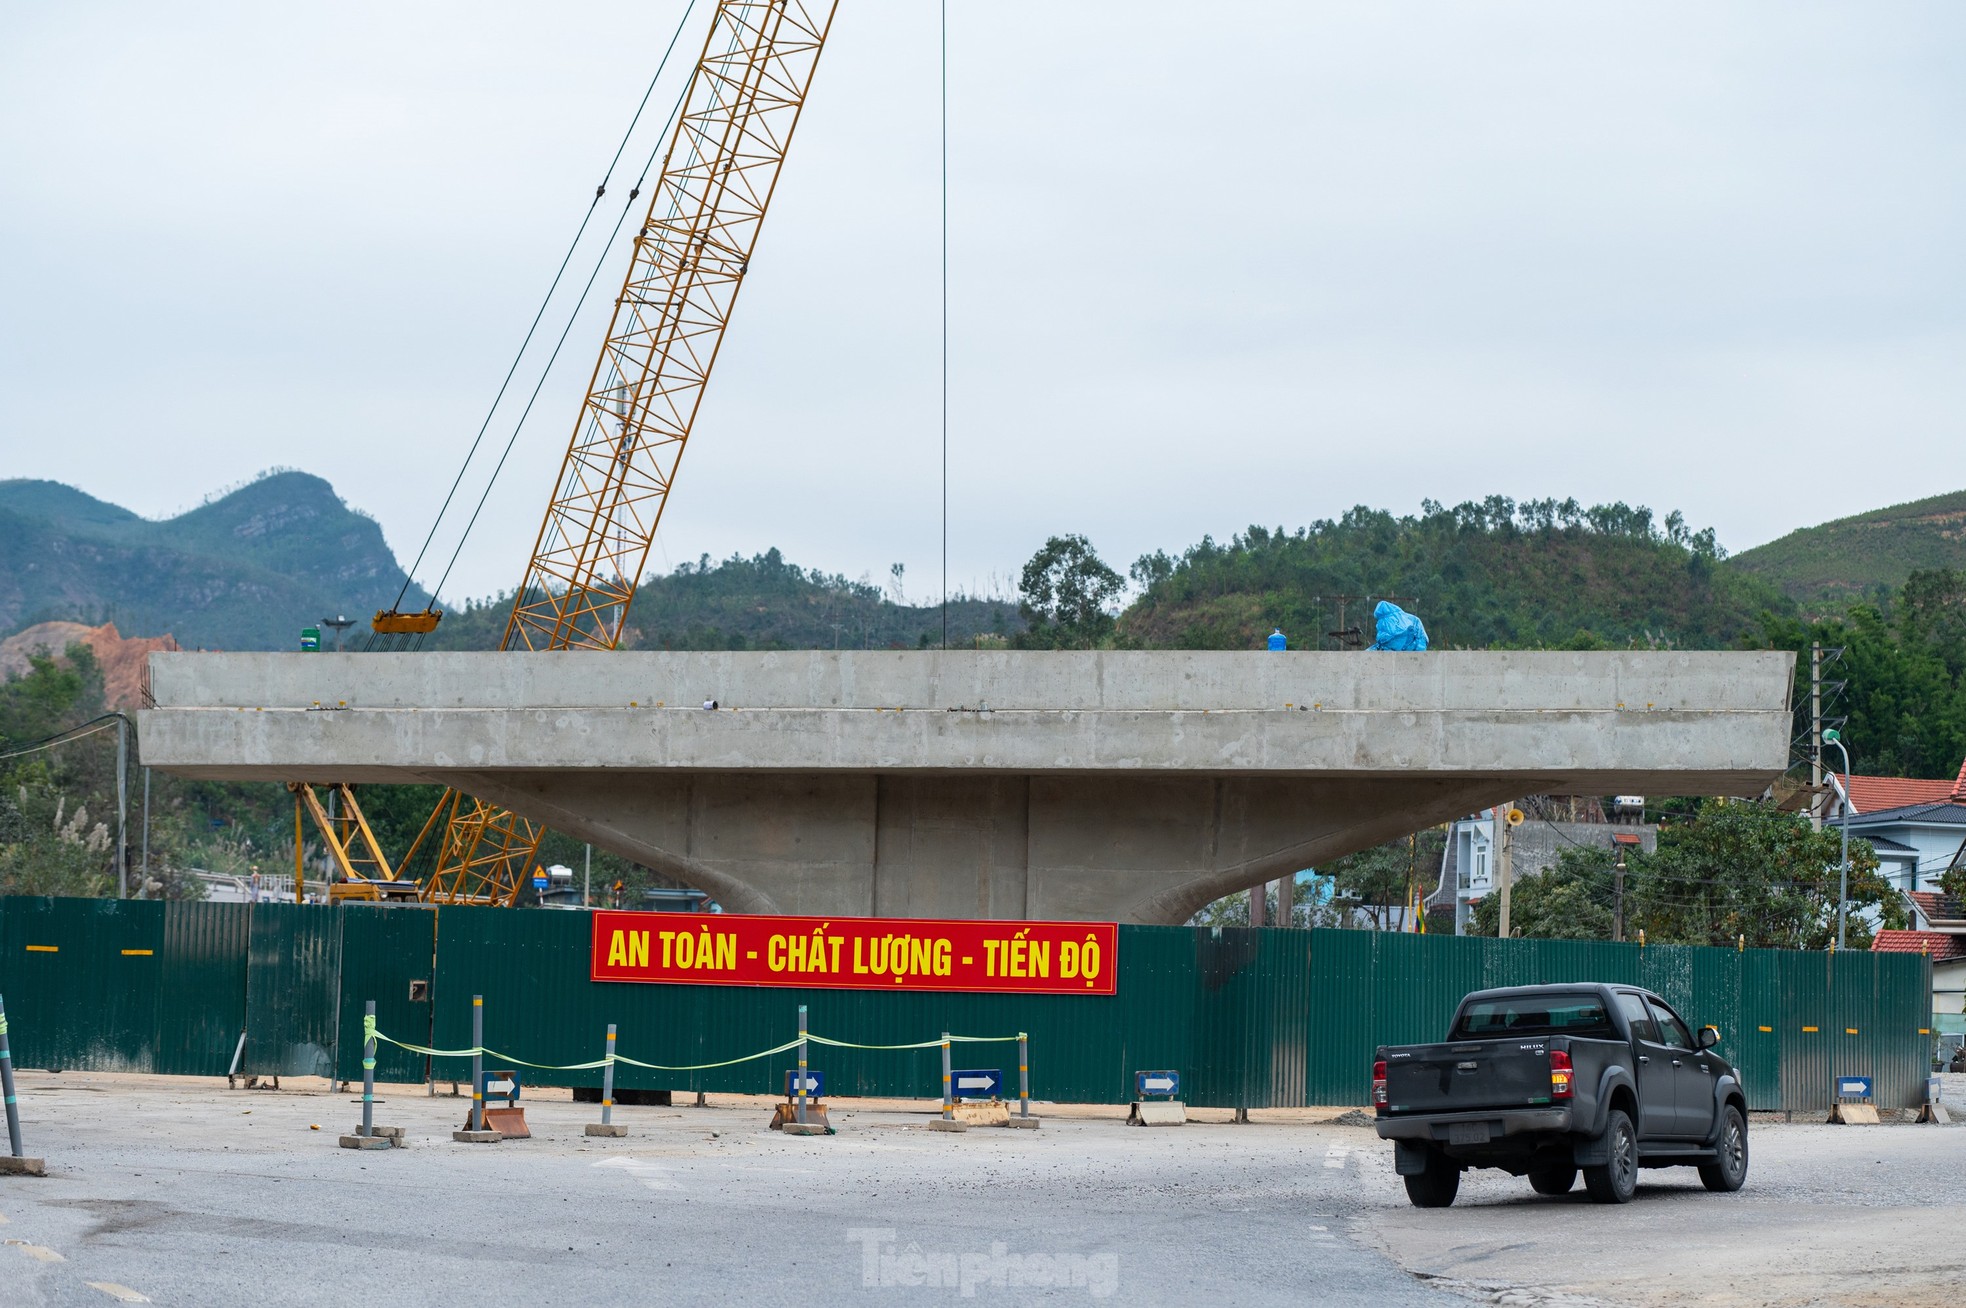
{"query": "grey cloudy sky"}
pixel 1212 264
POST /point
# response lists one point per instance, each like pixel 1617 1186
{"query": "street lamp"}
pixel 1833 737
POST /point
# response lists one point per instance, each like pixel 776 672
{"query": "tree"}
pixel 1066 589
pixel 1571 900
pixel 1372 887
pixel 1734 870
pixel 1751 870
pixel 54 839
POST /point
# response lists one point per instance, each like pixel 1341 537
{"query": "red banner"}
pixel 857 953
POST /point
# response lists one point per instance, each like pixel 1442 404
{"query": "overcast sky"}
pixel 1211 264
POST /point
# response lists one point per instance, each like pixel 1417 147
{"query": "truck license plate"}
pixel 1467 1133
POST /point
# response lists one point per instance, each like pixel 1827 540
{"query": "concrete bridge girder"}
pixel 1109 786
pixel 993 847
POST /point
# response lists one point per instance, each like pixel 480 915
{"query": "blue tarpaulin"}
pixel 1397 629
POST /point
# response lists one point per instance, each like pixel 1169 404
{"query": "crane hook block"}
pixel 388 622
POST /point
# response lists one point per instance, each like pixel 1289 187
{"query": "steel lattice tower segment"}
pixel 690 258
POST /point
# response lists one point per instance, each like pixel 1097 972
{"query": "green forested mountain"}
pixel 245 570
pixel 761 602
pixel 1827 566
pixel 1487 574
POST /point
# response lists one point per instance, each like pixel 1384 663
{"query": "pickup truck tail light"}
pixel 1560 1074
pixel 1379 1085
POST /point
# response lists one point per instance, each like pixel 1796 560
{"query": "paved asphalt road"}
pixel 192 1195
pixel 189 1194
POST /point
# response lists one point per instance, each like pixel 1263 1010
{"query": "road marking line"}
pixel 115 1291
pixel 652 1175
pixel 1335 1156
pixel 40 1251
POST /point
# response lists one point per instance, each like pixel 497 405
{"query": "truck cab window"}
pixel 1534 1015
pixel 1672 1032
pixel 1638 1016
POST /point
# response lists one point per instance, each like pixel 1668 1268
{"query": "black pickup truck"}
pixel 1547 1081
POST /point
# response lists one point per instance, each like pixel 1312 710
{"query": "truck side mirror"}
pixel 1708 1037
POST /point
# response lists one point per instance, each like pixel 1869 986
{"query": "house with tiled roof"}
pixel 1875 794
pixel 1917 827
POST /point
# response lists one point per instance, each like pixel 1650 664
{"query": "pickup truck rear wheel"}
pixel 1615 1180
pixel 1553 1180
pixel 1730 1166
pixel 1437 1186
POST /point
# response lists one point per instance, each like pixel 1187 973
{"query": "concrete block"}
pixel 613 1130
pixel 1854 1114
pixel 476 1137
pixel 1157 1112
pixel 11 1166
pixel 993 1114
pixel 1020 1123
pixel 367 1142
pixel 806 1128
pixel 783 1115
pixel 1934 1113
pixel 387 1132
pixel 944 1124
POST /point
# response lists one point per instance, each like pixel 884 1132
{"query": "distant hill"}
pixel 761 602
pixel 1825 567
pixel 246 570
pixel 1480 575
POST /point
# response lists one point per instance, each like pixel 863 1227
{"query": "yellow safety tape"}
pixel 919 1044
pixel 491 1053
pixel 848 1044
pixel 369 1032
pixel 698 1067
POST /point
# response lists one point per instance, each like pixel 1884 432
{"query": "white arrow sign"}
pixel 1159 1085
pixel 975 1082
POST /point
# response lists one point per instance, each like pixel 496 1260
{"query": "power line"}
pixel 89 728
pixel 945 323
pixel 606 249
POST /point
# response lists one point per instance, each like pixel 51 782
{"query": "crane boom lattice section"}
pixel 691 255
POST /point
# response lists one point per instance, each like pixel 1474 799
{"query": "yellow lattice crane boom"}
pixel 691 255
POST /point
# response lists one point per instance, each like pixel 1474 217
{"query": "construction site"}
pixel 926 971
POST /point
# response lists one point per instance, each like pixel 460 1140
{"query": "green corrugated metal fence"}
pixel 1251 1018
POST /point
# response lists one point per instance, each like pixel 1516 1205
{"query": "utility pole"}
pixel 122 793
pixel 1618 897
pixel 1505 861
pixel 1284 887
pixel 1259 895
pixel 143 863
pixel 1816 735
pixel 587 881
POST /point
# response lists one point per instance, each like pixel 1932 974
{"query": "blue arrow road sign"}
pixel 1853 1087
pixel 815 1083
pixel 977 1083
pixel 1146 1084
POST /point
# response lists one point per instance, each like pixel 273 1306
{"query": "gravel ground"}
pixel 184 1192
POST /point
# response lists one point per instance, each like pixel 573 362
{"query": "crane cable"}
pixel 599 263
pixel 409 575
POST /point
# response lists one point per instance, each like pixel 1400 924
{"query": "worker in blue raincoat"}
pixel 1397 629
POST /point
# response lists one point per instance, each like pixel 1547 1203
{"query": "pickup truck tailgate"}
pixel 1459 1077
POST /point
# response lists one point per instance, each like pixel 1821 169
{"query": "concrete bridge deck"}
pixel 1133 786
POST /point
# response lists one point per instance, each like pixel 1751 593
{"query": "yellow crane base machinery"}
pixel 691 254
